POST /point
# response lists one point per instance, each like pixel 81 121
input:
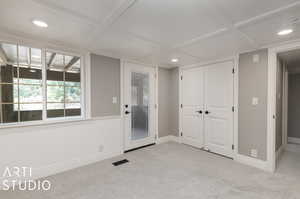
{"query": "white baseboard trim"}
pixel 260 164
pixel 60 167
pixel 293 140
pixel 279 152
pixel 71 164
pixel 169 138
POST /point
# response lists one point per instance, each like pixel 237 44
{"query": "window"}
pixel 63 85
pixel 28 95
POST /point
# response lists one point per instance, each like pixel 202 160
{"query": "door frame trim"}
pixel 272 78
pixel 122 84
pixel 234 59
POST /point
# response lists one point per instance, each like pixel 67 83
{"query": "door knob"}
pixel 200 112
pixel 127 112
pixel 207 112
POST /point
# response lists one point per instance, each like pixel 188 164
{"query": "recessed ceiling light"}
pixel 285 32
pixel 40 23
pixel 174 60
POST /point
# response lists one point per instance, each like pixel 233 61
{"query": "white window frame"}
pixel 46 120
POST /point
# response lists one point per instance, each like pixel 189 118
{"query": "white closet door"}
pixel 218 108
pixel 192 100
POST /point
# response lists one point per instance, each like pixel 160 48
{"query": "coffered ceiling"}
pixel 155 31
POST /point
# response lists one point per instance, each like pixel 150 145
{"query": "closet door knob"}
pixel 207 112
pixel 200 112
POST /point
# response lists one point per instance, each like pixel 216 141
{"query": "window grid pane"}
pixel 63 85
pixel 21 84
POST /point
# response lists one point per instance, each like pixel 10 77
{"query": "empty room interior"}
pixel 150 99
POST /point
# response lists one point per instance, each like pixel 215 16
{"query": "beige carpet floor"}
pixel 172 171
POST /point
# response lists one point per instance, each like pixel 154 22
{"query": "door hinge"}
pixel 155 106
pixel 233 71
pixel 232 109
pixel 181 106
pixel 232 146
pixel 156 136
pixel 181 77
pixel 155 75
pixel 181 134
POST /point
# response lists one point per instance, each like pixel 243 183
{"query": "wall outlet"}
pixel 253 153
pixel 254 101
pixel 100 148
pixel 114 100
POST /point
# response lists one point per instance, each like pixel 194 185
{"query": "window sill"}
pixel 56 121
pixel 43 122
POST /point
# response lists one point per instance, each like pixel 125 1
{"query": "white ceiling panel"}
pixel 17 16
pixel 123 45
pixel 224 45
pixel 264 31
pixel 171 21
pixel 148 30
pixel 241 10
pixel 162 57
pixel 96 10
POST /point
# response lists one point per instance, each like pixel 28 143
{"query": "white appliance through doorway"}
pixel 139 105
pixel 207 107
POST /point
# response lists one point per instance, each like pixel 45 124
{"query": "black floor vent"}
pixel 120 162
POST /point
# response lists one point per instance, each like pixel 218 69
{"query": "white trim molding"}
pixel 279 153
pixel 61 167
pixel 272 69
pixel 257 163
pixel 236 105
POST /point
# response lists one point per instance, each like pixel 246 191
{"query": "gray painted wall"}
pixel 164 79
pixel 168 102
pixel 174 102
pixel 105 84
pixel 279 97
pixel 294 106
pixel 253 82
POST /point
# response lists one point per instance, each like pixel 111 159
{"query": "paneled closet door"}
pixel 218 112
pixel 192 99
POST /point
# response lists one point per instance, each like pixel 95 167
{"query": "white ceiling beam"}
pixel 228 26
pixel 236 26
pixel 109 20
pixel 71 13
pixel 266 14
pixel 200 38
pixel 231 26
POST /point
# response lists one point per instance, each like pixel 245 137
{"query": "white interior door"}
pixel 218 108
pixel 139 105
pixel 192 100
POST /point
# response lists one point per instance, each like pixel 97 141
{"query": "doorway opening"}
pixel 287 128
pixel 139 105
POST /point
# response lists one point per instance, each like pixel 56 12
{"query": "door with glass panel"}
pixel 139 105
